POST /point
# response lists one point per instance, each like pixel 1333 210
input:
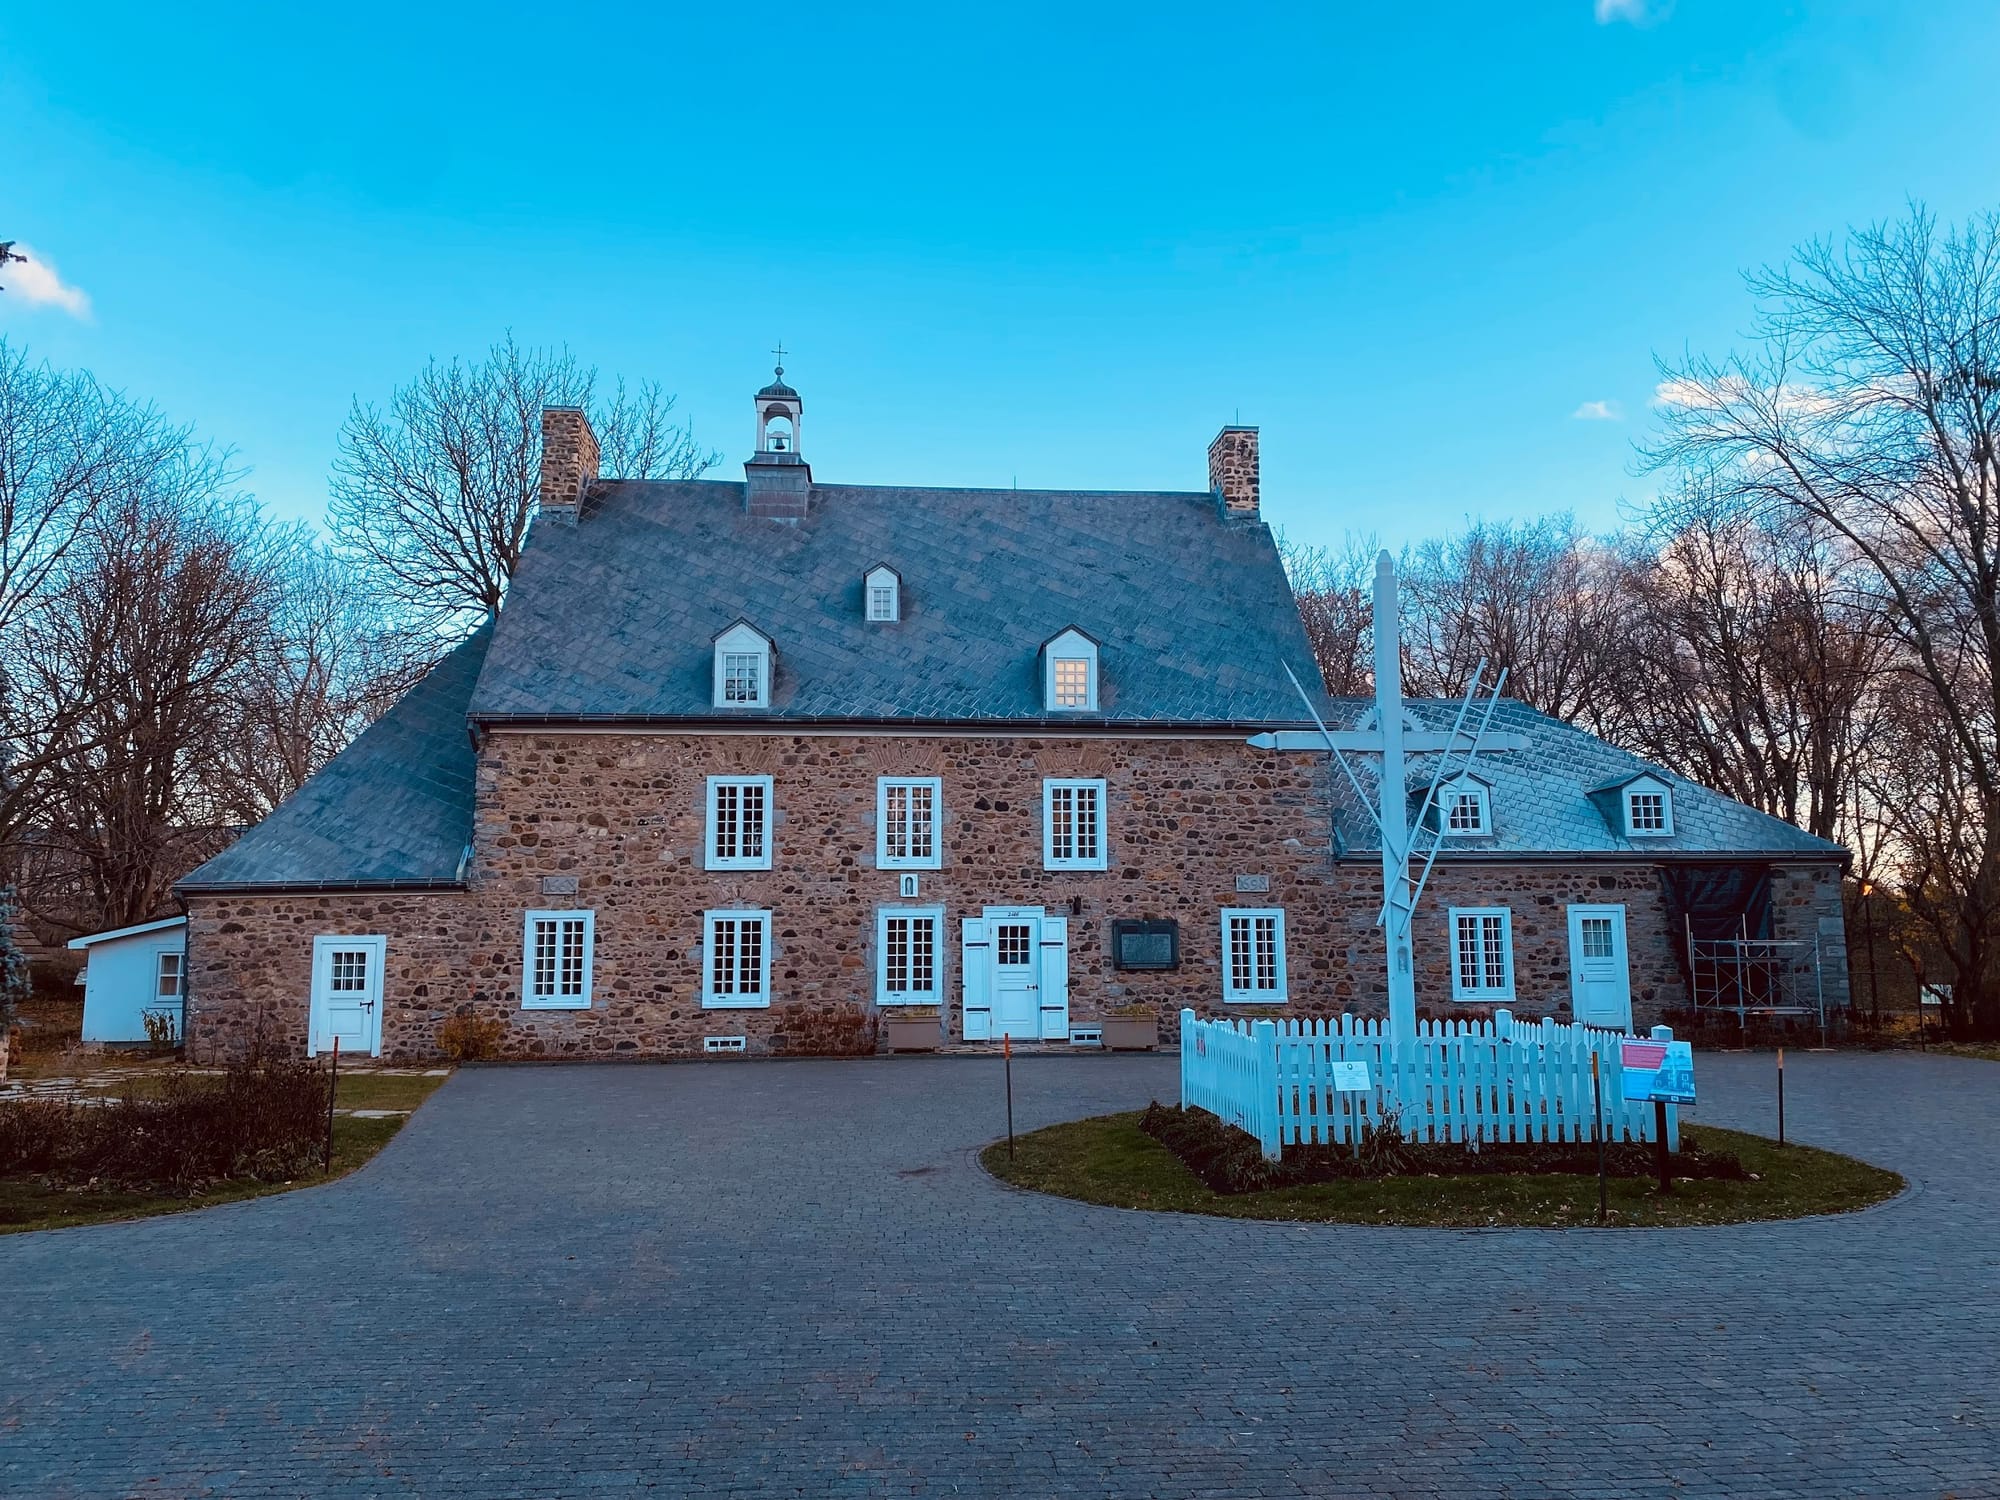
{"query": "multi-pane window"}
pixel 1012 942
pixel 882 601
pixel 907 942
pixel 349 970
pixel 1072 682
pixel 739 823
pixel 1253 955
pixel 1646 812
pixel 1482 953
pixel 1464 810
pixel 742 677
pixel 168 984
pixel 736 959
pixel 1596 937
pixel 558 958
pixel 1073 825
pixel 906 823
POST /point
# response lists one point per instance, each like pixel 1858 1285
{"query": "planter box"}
pixel 1130 1033
pixel 912 1033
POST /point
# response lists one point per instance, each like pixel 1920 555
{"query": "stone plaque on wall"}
pixel 1252 884
pixel 558 885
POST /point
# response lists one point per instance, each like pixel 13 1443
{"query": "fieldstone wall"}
pixel 1232 470
pixel 622 818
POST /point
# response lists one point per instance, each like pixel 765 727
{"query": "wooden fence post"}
pixel 1266 1089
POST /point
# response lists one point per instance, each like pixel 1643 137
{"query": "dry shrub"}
pixel 831 1031
pixel 469 1038
pixel 263 1121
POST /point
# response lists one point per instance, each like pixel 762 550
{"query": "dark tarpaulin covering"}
pixel 1715 901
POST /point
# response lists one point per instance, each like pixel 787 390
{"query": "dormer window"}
pixel 1069 673
pixel 1649 809
pixel 882 595
pixel 742 667
pixel 1463 809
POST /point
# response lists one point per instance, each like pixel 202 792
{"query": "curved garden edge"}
pixel 1095 1163
pixel 28 1207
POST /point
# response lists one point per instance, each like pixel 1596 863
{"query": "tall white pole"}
pixel 1394 805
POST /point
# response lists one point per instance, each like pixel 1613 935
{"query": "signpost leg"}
pixel 1660 1145
pixel 1597 1125
pixel 332 1088
pixel 1007 1061
pixel 1781 1096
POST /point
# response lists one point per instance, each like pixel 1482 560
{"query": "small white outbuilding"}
pixel 129 972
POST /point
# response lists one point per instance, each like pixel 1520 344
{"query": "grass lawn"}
pixel 26 1203
pixel 1109 1160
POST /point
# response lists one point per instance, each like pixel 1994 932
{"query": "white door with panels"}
pixel 347 995
pixel 1600 976
pixel 1015 968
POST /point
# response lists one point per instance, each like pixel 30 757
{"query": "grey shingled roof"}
pixel 392 809
pixel 1540 802
pixel 614 615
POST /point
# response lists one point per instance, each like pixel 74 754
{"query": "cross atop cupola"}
pixel 777 479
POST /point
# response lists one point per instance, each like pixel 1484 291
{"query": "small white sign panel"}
pixel 1350 1077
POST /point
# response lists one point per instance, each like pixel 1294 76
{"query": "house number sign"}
pixel 1252 884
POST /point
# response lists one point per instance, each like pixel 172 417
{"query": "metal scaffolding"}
pixel 1746 976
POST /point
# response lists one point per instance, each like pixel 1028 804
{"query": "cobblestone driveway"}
pixel 791 1279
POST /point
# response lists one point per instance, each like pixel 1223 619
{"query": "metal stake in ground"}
pixel 1781 1096
pixel 1007 1062
pixel 1660 1145
pixel 332 1088
pixel 1597 1123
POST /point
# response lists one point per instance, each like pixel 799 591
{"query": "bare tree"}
pixel 434 496
pixel 1871 409
pixel 1334 588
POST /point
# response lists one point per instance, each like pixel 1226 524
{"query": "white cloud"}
pixel 1633 12
pixel 1733 390
pixel 1598 411
pixel 34 280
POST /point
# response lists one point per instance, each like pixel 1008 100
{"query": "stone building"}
pixel 738 756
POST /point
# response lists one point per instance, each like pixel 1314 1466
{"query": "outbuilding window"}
pixel 739 823
pixel 1253 956
pixel 557 960
pixel 735 959
pixel 1482 953
pixel 167 984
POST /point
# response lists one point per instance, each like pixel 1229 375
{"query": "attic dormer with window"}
pixel 743 661
pixel 881 595
pixel 1464 807
pixel 1069 673
pixel 1638 807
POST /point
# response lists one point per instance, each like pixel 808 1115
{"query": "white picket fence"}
pixel 1487 1081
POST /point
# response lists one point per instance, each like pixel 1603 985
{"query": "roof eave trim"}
pixel 1066 724
pixel 1841 857
pixel 308 887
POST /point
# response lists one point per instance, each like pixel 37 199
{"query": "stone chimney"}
pixel 569 461
pixel 1232 471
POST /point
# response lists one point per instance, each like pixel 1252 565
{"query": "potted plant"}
pixel 911 1028
pixel 1131 1028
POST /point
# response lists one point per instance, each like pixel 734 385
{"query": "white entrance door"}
pixel 1600 979
pixel 347 995
pixel 1015 968
pixel 1017 974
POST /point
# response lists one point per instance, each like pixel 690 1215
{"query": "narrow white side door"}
pixel 347 994
pixel 1600 977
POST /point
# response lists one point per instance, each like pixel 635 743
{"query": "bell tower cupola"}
pixel 777 479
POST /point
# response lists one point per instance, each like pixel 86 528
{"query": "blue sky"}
pixel 1052 245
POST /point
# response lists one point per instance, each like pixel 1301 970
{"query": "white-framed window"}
pixel 1069 673
pixel 907 814
pixel 1482 953
pixel 1253 955
pixel 1073 825
pixel 1649 810
pixel 1463 811
pixel 167 978
pixel 735 959
pixel 557 953
pixel 742 668
pixel 882 592
pixel 738 825
pixel 909 949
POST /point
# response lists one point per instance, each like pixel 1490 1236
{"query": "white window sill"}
pixel 1074 867
pixel 1274 998
pixel 906 1002
pixel 910 864
pixel 582 1003
pixel 737 864
pixel 1485 997
pixel 734 1002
